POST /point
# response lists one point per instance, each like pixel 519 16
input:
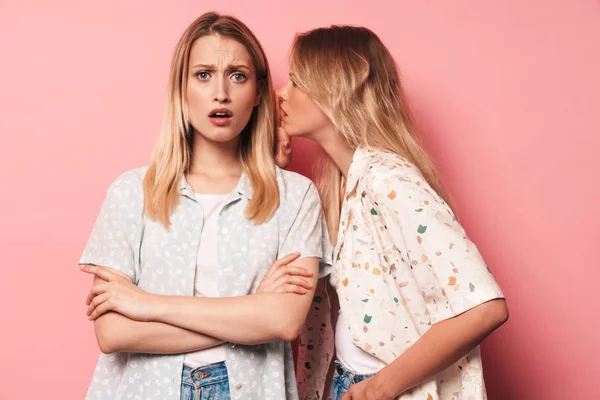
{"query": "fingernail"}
pixel 286 145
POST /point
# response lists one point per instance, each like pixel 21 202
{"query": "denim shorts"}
pixel 209 382
pixel 343 378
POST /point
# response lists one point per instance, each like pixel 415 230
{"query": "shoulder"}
pixel 128 186
pixel 296 191
pixel 389 166
pixel 392 179
pixel 292 183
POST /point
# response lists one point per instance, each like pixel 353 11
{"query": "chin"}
pixel 291 131
pixel 222 135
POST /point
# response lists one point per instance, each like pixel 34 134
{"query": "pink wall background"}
pixel 507 94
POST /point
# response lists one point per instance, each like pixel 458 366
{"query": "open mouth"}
pixel 221 117
pixel 220 113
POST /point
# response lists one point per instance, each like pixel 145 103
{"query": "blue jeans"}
pixel 209 382
pixel 343 378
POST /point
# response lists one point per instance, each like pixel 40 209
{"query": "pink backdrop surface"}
pixel 507 95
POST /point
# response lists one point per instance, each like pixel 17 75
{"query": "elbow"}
pixel 107 340
pixel 505 313
pixel 106 346
pixel 107 343
pixel 290 333
pixel 500 312
pixel 289 328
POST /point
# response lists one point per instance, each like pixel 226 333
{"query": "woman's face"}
pixel 221 88
pixel 300 115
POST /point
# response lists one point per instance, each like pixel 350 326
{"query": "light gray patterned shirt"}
pixel 163 262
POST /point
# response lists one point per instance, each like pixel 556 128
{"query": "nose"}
pixel 221 94
pixel 282 93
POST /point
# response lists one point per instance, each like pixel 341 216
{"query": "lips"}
pixel 220 113
pixel 220 116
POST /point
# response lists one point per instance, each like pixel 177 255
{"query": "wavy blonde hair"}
pixel 172 155
pixel 353 78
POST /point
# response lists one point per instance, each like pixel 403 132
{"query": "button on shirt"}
pixel 163 262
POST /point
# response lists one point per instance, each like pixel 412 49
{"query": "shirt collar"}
pixel 360 161
pixel 243 188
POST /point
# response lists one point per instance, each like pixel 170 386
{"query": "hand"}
pixel 284 277
pixel 283 141
pixel 114 291
pixel 369 389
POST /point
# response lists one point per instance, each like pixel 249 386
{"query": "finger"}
pixel 102 309
pixel 277 108
pixel 99 271
pixel 285 139
pixel 281 262
pixel 121 274
pixel 295 280
pixel 288 270
pixel 288 288
pixel 281 159
pixel 281 135
pixel 295 271
pixel 96 290
pixel 283 148
pixel 292 280
pixel 287 259
pixel 284 142
pixel 95 302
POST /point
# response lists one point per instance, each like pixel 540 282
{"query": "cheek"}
pixel 194 98
pixel 247 97
pixel 312 113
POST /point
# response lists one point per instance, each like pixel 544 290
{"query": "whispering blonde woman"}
pixel 415 296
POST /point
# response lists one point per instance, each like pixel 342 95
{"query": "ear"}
pixel 260 88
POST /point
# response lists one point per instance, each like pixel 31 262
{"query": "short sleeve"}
pixel 115 238
pixel 308 233
pixel 445 263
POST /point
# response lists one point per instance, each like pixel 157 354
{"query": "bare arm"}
pixel 115 333
pixel 441 346
pixel 253 319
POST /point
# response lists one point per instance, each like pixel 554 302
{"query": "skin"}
pixel 446 341
pixel 126 318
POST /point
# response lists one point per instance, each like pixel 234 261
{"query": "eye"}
pixel 238 77
pixel 203 75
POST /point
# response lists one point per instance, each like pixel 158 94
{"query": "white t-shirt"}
pixel 205 281
pixel 351 356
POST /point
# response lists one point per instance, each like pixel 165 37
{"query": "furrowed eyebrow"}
pixel 230 67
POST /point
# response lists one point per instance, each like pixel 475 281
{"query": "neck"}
pixel 215 158
pixel 336 146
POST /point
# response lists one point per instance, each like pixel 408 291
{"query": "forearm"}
pixel 441 346
pixel 252 319
pixel 117 333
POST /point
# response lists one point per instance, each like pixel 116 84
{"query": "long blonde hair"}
pixel 353 78
pixel 172 155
